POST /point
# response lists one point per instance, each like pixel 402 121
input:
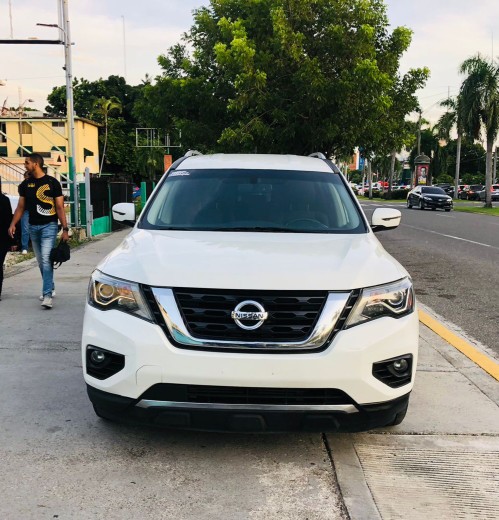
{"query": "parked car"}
pixel 429 197
pixel 494 193
pixel 462 191
pixel 448 188
pixel 472 193
pixel 251 295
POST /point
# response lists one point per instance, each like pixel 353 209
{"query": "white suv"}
pixel 251 295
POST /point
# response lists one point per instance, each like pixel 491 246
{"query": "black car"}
pixel 429 197
pixel 474 190
pixel 448 188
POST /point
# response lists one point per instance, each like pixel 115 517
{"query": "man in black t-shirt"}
pixel 42 196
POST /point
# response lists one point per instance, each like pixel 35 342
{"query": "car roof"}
pixel 255 162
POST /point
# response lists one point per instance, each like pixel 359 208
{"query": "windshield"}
pixel 435 191
pixel 254 200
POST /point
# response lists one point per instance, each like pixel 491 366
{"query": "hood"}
pixel 240 260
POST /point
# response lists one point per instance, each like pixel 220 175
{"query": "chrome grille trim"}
pixel 335 303
pixel 343 408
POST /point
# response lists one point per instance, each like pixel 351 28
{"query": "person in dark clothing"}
pixel 6 242
pixel 42 196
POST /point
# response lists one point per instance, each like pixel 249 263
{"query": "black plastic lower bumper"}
pixel 124 409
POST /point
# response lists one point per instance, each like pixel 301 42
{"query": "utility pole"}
pixel 419 133
pixel 64 31
pixel 70 106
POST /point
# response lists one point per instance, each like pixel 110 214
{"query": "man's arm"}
pixel 61 213
pixel 17 216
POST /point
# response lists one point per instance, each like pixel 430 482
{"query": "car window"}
pixel 254 200
pixel 433 190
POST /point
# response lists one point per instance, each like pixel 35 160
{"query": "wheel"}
pixel 434 209
pixel 408 204
pixel 447 210
pixel 421 204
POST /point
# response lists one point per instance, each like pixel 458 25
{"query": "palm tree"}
pixel 452 118
pixel 102 108
pixel 480 107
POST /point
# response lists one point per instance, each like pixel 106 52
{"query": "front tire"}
pixel 421 205
pixel 408 204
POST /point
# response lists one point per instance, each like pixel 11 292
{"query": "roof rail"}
pixel 319 155
pixel 190 153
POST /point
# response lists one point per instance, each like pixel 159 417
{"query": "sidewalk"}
pixel 441 462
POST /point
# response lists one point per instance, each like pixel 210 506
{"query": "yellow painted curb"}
pixel 483 361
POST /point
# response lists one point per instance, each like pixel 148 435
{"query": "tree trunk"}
pixel 458 165
pixel 370 177
pixel 488 173
pixel 392 171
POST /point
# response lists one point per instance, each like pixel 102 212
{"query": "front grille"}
pixel 292 315
pixel 243 395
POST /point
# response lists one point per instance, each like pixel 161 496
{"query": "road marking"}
pixel 450 236
pixel 483 361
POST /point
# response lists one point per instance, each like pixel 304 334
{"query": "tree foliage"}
pixel 286 76
pixel 97 100
pixel 480 101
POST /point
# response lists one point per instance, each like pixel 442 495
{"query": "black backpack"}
pixel 59 254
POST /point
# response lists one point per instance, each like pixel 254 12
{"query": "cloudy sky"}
pixel 445 33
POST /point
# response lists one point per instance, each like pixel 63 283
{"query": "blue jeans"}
pixel 43 240
pixel 25 231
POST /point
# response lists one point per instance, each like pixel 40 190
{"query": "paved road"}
pixel 454 261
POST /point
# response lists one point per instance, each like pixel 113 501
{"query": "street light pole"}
pixel 70 108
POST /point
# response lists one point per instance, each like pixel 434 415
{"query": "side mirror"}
pixel 385 218
pixel 124 212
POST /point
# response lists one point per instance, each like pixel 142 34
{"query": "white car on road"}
pixel 251 295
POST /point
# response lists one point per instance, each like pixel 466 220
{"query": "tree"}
pixel 282 76
pixel 120 147
pixel 452 119
pixel 480 102
pixel 102 109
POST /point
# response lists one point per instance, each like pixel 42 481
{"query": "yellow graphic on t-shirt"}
pixel 40 195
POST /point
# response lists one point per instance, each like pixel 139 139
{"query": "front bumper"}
pixel 438 204
pixel 346 365
pixel 250 419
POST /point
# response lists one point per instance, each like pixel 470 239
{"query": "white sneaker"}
pixel 41 297
pixel 24 252
pixel 47 302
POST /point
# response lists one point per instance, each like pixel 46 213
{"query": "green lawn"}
pixel 477 209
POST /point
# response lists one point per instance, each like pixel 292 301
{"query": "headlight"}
pixel 106 293
pixel 427 198
pixel 393 300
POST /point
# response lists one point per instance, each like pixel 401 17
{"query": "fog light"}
pixel 97 357
pixel 400 365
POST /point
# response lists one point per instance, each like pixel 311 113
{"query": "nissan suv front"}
pixel 251 295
